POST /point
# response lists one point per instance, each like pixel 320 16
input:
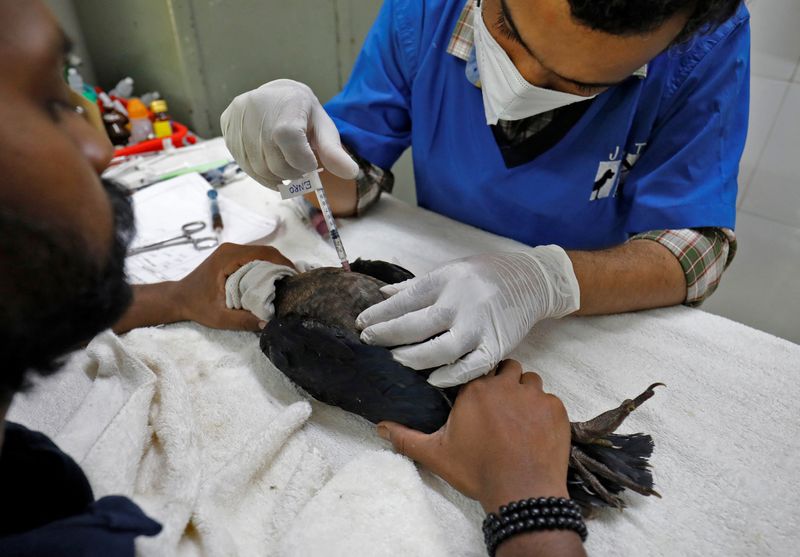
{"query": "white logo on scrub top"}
pixel 611 174
pixel 606 180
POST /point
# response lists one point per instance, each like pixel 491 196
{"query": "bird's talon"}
pixel 600 442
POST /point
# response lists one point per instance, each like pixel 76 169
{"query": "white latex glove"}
pixel 274 131
pixel 471 313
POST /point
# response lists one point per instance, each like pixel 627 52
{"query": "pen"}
pixel 216 217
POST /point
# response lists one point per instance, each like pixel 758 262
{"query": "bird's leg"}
pixel 593 431
pixel 592 465
pixel 587 476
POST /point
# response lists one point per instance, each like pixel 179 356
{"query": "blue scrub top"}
pixel 654 153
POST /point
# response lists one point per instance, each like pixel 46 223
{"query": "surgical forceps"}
pixel 190 228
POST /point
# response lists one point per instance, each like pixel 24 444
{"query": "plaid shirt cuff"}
pixel 371 182
pixel 704 255
pixel 463 37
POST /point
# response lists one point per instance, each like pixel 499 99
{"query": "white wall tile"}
pixel 774 190
pixel 766 96
pixel 761 288
pixel 775 38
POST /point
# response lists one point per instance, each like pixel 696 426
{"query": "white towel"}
pixel 376 503
pixel 252 287
pixel 191 425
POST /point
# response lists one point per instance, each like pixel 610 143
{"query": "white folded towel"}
pixel 252 287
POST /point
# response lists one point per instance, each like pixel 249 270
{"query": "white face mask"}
pixel 506 94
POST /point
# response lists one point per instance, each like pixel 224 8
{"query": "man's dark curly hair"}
pixel 632 17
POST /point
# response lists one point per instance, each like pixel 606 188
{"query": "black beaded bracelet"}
pixel 531 515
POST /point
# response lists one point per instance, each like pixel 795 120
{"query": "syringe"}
pixel 310 182
pixel 328 214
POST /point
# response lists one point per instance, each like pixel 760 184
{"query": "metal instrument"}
pixel 187 237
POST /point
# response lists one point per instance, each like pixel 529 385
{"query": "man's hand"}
pixel 200 296
pixel 505 440
pixel 471 313
pixel 278 131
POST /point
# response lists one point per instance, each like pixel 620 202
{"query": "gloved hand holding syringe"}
pixel 306 184
pixel 301 137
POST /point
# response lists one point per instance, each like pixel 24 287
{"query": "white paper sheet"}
pixel 160 212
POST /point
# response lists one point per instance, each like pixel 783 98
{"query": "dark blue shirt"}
pixel 47 506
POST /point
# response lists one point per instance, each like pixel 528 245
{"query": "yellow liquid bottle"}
pixel 162 127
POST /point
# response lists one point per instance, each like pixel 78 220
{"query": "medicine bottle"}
pixel 161 123
pixel 116 128
pixel 141 127
pixel 123 89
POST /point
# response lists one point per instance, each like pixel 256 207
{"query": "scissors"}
pixel 207 242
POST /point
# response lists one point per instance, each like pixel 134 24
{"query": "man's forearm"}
pixel 549 543
pixel 544 543
pixel 153 304
pixel 641 274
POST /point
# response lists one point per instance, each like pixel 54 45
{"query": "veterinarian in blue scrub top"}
pixel 604 135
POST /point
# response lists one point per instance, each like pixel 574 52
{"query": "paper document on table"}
pixel 161 210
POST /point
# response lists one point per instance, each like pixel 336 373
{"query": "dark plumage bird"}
pixel 313 340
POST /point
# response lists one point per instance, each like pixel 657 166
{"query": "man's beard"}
pixel 53 294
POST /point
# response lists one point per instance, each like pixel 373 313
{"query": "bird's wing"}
pixel 339 370
pixel 381 270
